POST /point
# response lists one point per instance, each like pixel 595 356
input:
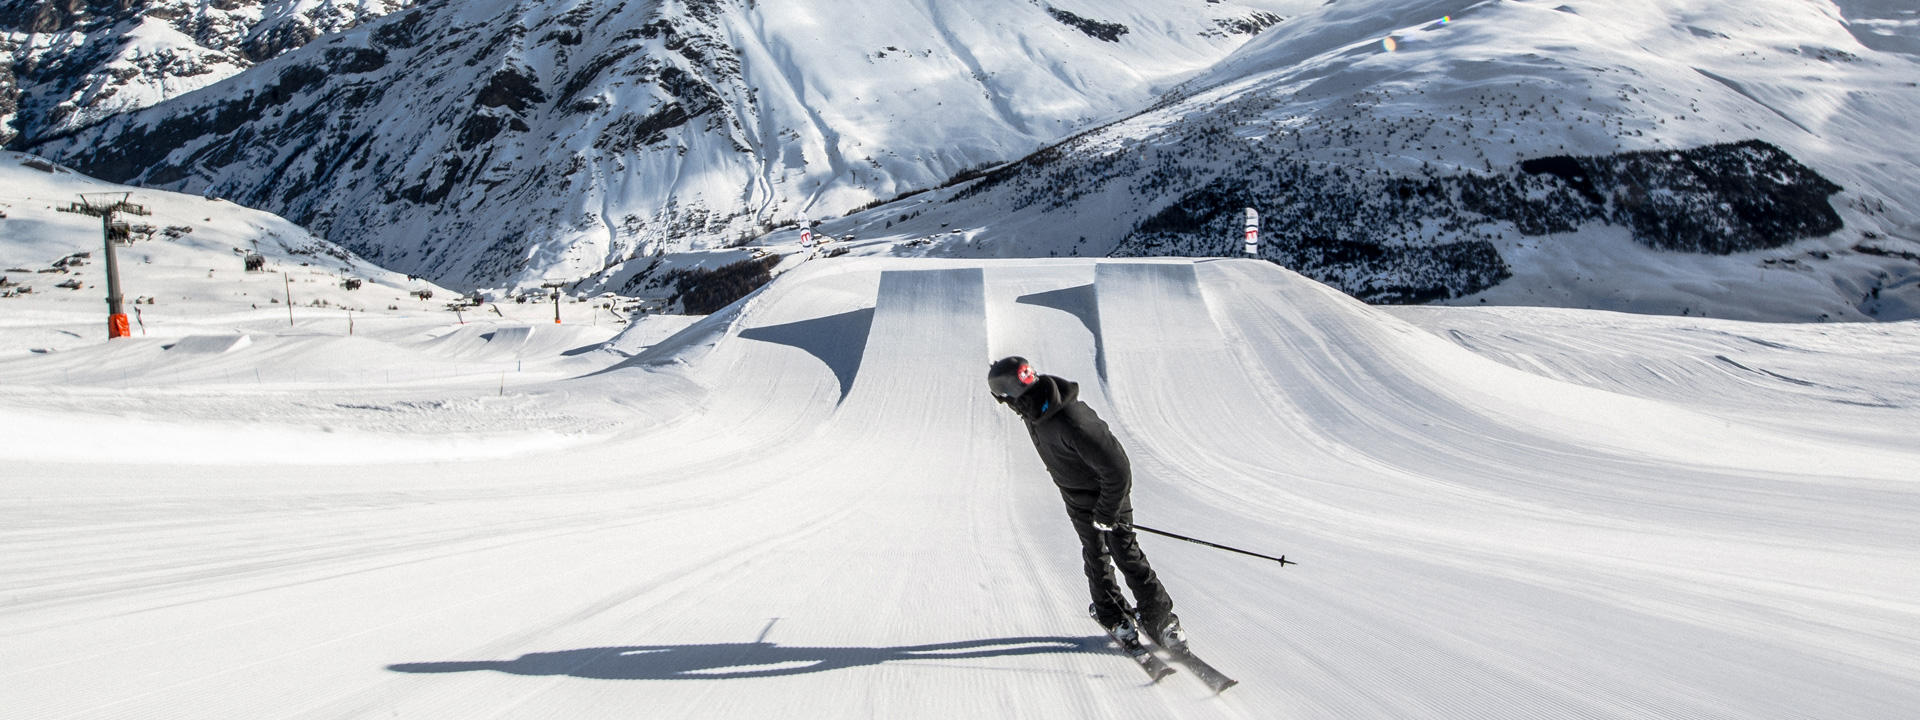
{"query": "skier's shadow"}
pixel 728 661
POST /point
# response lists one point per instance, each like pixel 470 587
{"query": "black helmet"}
pixel 1010 377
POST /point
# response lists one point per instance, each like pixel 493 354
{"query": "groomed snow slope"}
pixel 814 510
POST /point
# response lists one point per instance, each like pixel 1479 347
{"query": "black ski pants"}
pixel 1123 547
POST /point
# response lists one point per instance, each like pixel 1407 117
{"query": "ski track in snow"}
pixel 808 506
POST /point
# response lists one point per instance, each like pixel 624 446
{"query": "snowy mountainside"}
pixel 71 64
pixel 1744 160
pixel 498 142
pixel 184 271
pixel 319 357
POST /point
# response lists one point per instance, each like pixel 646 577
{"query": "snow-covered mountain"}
pixel 1750 159
pixel 65 65
pixel 1744 160
pixel 493 142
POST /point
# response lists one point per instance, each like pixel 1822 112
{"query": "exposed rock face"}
pixel 1096 29
pixel 497 142
pixel 78 62
pixel 9 89
pixel 46 15
pixel 1719 199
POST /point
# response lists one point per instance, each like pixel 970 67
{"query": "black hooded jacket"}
pixel 1081 454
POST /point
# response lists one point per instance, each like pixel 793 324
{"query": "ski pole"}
pixel 1282 559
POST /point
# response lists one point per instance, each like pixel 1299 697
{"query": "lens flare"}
pixel 1390 45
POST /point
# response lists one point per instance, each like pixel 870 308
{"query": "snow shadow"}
pixel 1082 302
pixel 837 340
pixel 732 661
pixel 1882 25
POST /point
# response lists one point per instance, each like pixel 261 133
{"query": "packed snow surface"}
pixel 806 505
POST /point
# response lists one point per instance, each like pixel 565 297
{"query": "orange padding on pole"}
pixel 117 326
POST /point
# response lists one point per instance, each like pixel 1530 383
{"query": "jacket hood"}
pixel 1048 396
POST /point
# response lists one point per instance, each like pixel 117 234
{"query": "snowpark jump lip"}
pixel 921 316
pixel 1476 539
pixel 929 338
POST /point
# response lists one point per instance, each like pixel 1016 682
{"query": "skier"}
pixel 1091 468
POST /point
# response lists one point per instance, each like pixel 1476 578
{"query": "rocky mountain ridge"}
pixel 71 63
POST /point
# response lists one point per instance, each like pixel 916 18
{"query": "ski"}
pixel 1174 644
pixel 1200 669
pixel 1152 665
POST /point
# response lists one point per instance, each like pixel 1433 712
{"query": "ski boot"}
pixel 1123 632
pixel 1128 639
pixel 1165 632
